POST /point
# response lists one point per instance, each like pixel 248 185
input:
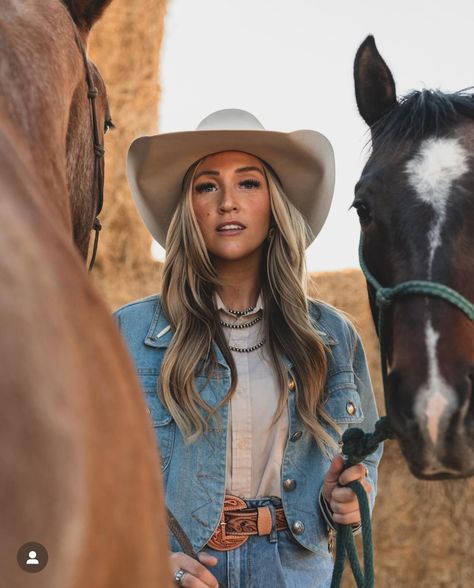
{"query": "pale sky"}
pixel 290 64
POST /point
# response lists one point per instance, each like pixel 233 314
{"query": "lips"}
pixel 230 226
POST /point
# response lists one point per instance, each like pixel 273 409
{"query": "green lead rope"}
pixel 356 446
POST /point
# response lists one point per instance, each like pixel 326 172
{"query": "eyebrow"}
pixel 238 170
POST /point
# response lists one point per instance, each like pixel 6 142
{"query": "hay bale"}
pixel 126 46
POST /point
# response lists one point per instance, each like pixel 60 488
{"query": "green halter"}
pixel 384 297
pixel 357 445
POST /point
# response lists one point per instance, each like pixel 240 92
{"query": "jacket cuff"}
pixel 327 514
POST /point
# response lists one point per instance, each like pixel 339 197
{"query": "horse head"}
pixel 48 106
pixel 89 120
pixel 415 202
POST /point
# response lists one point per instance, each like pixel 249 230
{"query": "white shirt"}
pixel 254 445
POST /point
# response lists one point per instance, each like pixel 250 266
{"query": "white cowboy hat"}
pixel 303 161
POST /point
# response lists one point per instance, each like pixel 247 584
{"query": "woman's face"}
pixel 231 201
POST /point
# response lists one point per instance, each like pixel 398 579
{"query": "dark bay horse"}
pixel 415 201
pixel 79 469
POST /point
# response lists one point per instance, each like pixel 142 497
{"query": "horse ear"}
pixel 374 84
pixel 86 13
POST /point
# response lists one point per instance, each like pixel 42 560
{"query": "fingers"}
pixel 348 518
pixel 197 575
pixel 332 476
pixel 343 500
pixel 207 559
pixel 355 472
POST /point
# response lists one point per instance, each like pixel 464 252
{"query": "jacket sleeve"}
pixel 371 415
pixel 369 409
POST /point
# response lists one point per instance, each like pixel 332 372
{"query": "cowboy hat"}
pixel 302 160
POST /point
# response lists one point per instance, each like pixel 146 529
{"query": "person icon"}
pixel 32 559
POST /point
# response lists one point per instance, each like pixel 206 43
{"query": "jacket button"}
pixel 298 527
pixel 289 485
pixel 350 408
pixel 296 436
pixel 291 384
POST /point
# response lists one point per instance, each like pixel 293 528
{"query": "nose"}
pixel 434 423
pixel 228 201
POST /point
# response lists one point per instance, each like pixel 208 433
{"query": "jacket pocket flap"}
pixel 344 405
pixel 160 415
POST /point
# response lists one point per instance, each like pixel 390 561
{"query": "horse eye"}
pixel 363 211
pixel 108 124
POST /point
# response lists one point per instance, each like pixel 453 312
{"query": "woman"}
pixel 249 383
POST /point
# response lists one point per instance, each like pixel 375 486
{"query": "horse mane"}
pixel 422 113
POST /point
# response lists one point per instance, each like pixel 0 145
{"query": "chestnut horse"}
pixel 415 201
pixel 79 467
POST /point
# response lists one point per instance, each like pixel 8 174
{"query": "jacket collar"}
pixel 159 334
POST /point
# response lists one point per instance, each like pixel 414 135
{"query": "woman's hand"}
pixel 197 575
pixel 343 501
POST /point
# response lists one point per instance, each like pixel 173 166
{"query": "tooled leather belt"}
pixel 238 523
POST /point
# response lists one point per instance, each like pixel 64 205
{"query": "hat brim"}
pixel 303 161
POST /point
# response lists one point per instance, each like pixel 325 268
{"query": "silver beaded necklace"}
pixel 240 313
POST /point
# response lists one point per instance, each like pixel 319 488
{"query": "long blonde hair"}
pixel 189 280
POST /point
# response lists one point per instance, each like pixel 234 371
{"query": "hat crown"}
pixel 230 119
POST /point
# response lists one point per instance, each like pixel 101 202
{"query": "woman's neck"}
pixel 240 286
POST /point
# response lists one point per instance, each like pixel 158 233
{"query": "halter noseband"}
pixel 385 297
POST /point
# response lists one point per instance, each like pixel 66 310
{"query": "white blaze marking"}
pixel 436 399
pixel 431 173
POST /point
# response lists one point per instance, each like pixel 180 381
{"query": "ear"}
pixel 86 13
pixel 374 85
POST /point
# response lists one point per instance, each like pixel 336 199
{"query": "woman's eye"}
pixel 205 187
pixel 250 184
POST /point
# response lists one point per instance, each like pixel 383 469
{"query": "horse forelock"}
pixel 423 113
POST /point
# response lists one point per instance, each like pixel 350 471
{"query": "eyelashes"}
pixel 210 186
pixel 205 187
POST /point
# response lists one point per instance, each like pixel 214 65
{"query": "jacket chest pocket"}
pixel 161 419
pixel 342 398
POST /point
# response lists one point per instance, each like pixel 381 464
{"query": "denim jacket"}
pixel 194 474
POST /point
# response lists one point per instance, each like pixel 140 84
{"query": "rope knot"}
pixel 383 297
pixel 92 93
pixel 357 445
pixel 99 150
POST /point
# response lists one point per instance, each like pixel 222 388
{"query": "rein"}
pixel 356 444
pixel 99 150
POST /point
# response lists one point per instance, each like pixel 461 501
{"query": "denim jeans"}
pixel 271 561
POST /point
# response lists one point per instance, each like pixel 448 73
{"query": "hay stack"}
pixel 126 47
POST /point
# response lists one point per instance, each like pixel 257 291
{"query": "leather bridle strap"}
pixel 99 150
pixel 385 297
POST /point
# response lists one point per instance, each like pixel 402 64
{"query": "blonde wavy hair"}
pixel 189 280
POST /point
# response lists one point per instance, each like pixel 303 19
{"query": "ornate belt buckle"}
pixel 220 541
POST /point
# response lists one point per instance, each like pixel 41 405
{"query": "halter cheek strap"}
pixel 99 150
pixel 385 297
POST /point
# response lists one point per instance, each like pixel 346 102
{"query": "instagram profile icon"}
pixel 32 557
